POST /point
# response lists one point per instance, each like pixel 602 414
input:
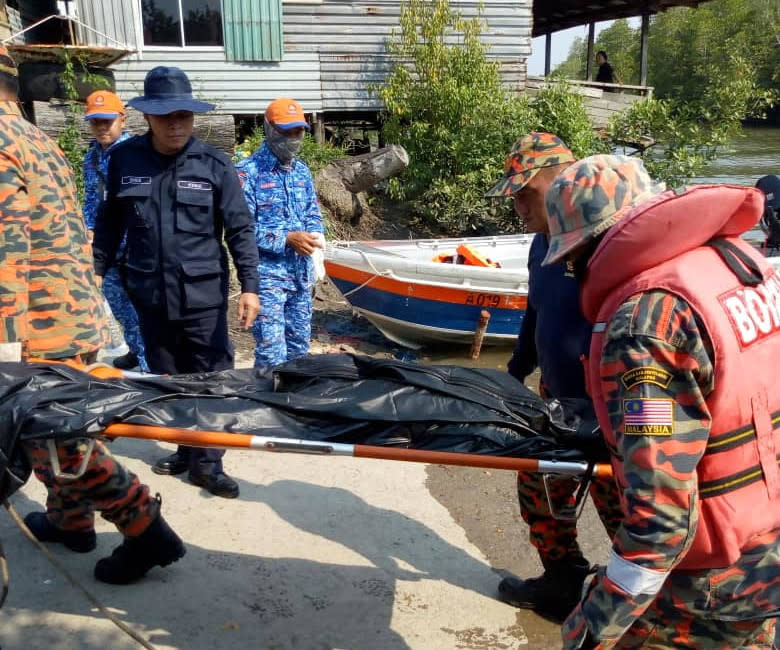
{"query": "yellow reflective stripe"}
pixel 739 436
pixel 731 484
pixel 725 441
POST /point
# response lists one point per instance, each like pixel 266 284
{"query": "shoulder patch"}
pixel 648 417
pixel 646 375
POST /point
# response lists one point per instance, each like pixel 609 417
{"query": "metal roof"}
pixel 554 15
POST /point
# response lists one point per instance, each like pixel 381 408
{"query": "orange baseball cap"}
pixel 285 114
pixel 103 105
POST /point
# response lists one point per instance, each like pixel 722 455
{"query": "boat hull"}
pixel 413 313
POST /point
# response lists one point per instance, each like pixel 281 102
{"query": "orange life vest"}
pixel 473 257
pixel 660 245
pixel 444 258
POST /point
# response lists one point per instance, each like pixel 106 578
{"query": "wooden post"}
pixel 319 127
pixel 547 53
pixel 591 41
pixel 479 333
pixel 643 50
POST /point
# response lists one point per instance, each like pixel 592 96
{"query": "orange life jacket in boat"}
pixel 473 257
pixel 444 258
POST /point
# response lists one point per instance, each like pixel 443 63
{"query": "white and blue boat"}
pixel 414 300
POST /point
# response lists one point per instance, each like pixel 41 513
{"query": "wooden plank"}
pixel 218 130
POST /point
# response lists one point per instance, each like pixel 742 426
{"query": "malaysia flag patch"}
pixel 648 417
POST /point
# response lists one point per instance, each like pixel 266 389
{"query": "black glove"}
pixel 573 423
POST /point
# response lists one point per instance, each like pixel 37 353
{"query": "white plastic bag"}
pixel 318 257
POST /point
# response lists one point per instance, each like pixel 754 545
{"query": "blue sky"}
pixel 561 42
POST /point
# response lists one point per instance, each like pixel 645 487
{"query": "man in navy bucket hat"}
pixel 167 90
pixel 173 198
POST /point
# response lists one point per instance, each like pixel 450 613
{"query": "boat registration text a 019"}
pixel 483 299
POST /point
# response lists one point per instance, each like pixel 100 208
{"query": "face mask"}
pixel 281 146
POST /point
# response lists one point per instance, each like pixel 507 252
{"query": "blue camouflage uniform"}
pixel 281 201
pixel 95 171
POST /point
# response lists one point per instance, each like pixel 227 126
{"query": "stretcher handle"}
pixel 225 440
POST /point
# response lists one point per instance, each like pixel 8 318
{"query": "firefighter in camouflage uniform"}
pixel 686 339
pixel 553 336
pixel 51 309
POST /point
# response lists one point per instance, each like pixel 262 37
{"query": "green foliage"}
pixel 692 50
pixel 457 205
pixel 70 140
pixel 445 104
pixel 443 99
pixel 574 65
pixel 560 111
pixel 687 133
pixel 315 154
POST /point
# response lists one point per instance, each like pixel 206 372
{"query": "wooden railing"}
pixel 644 91
pixel 601 100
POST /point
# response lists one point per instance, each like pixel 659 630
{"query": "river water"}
pixel 750 156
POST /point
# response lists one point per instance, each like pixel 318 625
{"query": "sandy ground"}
pixel 317 553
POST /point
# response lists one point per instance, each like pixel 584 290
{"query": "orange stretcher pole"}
pixel 291 445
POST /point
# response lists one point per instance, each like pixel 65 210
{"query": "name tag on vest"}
pixel 202 186
pixel 754 312
pixel 136 180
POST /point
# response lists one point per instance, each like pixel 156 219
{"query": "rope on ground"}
pixel 69 577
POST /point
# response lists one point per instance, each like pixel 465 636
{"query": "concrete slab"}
pixel 320 553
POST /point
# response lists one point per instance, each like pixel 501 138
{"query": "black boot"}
pixel 158 545
pixel 40 525
pixel 176 463
pixel 218 483
pixel 126 361
pixel 554 594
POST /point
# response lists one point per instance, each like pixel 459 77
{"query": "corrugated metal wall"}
pixel 350 37
pixel 332 51
pixel 253 30
pixel 115 19
pixel 238 88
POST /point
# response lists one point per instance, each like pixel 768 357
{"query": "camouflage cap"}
pixel 592 195
pixel 530 154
